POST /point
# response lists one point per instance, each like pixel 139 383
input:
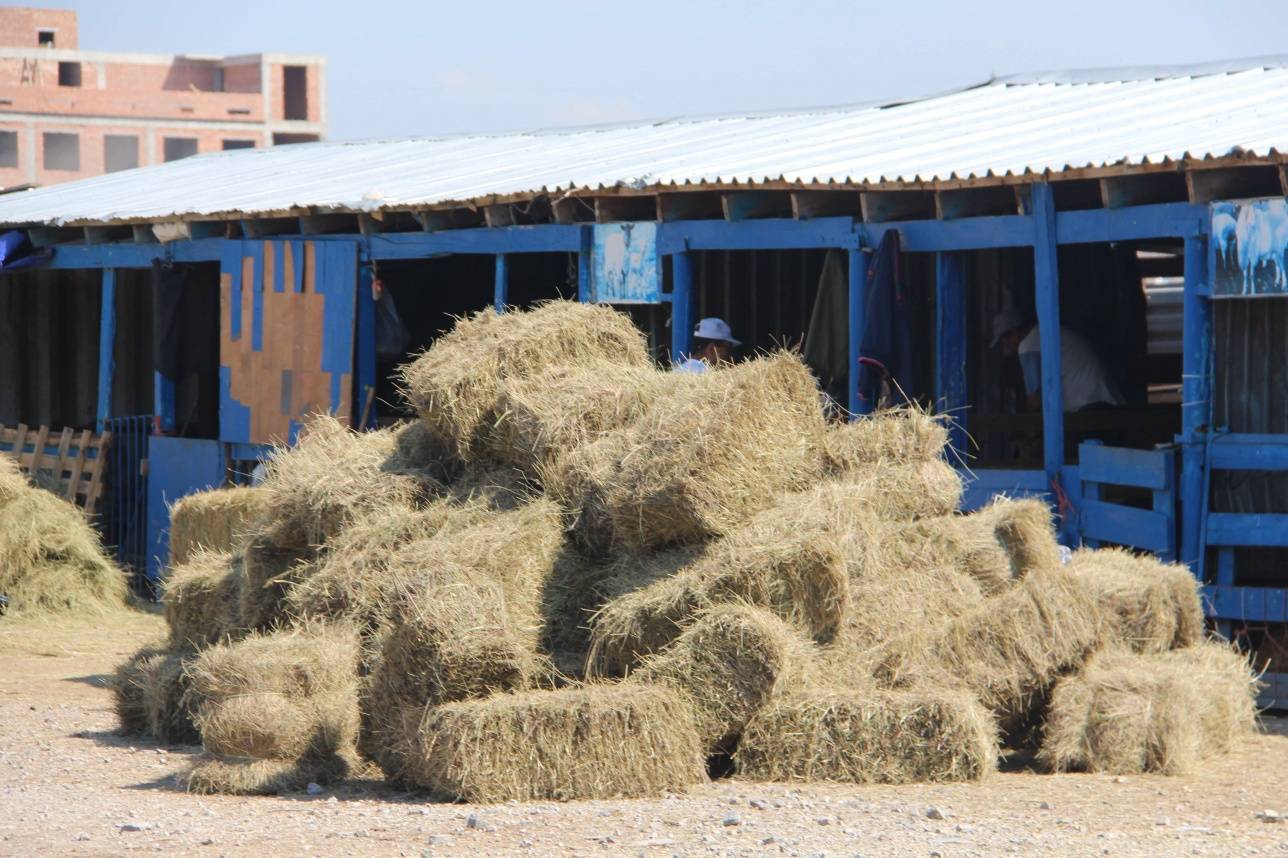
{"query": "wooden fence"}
pixel 69 463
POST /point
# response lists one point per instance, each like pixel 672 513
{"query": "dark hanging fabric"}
pixel 185 342
pixel 827 349
pixel 886 358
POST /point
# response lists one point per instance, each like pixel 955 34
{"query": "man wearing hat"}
pixel 1083 379
pixel 713 344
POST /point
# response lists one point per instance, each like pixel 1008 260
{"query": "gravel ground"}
pixel 69 786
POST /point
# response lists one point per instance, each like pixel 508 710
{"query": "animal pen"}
pixel 220 299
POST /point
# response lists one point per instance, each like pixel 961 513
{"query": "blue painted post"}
pixel 106 343
pixel 584 260
pixel 858 305
pixel 1196 396
pixel 366 324
pixel 681 305
pixel 950 340
pixel 1046 275
pixel 501 286
pixel 163 403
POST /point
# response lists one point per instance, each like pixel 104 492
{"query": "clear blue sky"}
pixel 408 68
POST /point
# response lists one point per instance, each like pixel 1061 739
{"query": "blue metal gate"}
pixel 125 520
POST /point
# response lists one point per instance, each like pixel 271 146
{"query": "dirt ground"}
pixel 70 786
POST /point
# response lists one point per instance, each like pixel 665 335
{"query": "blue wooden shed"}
pixel 1143 209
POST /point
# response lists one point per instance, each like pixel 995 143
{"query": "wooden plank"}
pixel 494 216
pixel 1146 189
pixel 1119 466
pixel 881 206
pixel 1250 453
pixel 1125 525
pixel 812 204
pixel 1268 530
pixel 78 466
pixel 96 482
pixel 950 358
pixel 1046 282
pixel 748 205
pixel 38 452
pixel 19 441
pixel 1232 183
pixel 1250 604
pixel 64 444
pixel 689 205
pixel 975 202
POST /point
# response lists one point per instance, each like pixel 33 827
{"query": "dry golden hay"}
pixel 869 736
pixel 421 454
pixel 214 776
pixel 797 574
pixel 1155 712
pixel 1009 650
pixel 994 545
pixel 699 461
pixel 908 491
pixel 1152 606
pixel 51 560
pixel 895 436
pixel 288 696
pixel 455 386
pixel 359 574
pixel 332 475
pixel 465 619
pixel 268 574
pixel 499 487
pixel 217 520
pixel 593 742
pixel 201 598
pixel 563 407
pixel 730 662
pixel 150 693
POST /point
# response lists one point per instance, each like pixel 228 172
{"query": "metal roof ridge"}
pixel 1125 74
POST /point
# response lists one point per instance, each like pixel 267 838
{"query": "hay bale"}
pixel 51 560
pixel 332 475
pixel 201 599
pixel 889 737
pixel 994 545
pixel 423 455
pixel 465 619
pixel 216 520
pixel 1152 712
pixel 359 574
pixel 699 461
pixel 269 571
pixel 1009 650
pixel 593 742
pixel 1151 606
pixel 498 487
pixel 290 695
pixel 214 776
pixel 730 662
pixel 562 407
pixel 150 696
pixel 455 386
pixel 911 491
pixel 895 436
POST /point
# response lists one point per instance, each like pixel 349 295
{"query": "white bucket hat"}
pixel 715 329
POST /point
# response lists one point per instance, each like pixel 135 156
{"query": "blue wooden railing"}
pixel 1100 521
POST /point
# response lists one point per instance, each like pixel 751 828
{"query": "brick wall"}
pixel 19 27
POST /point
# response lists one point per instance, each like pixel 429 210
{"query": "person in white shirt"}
pixel 713 344
pixel 1083 379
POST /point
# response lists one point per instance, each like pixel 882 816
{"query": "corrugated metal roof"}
pixel 1006 127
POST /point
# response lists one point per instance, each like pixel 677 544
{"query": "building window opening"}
pixel 69 74
pixel 8 148
pixel 45 38
pixel 175 148
pixel 296 92
pixel 120 152
pixel 62 151
pixel 238 144
pixel 217 80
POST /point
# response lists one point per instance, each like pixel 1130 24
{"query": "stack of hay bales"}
pixel 580 576
pixel 51 560
pixel 213 520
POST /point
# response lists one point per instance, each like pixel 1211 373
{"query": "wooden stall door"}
pixel 286 336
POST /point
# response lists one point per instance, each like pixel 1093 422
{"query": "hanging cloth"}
pixel 885 350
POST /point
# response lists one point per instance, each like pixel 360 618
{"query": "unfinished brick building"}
pixel 66 113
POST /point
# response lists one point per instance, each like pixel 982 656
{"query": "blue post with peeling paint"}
pixel 681 305
pixel 366 352
pixel 106 343
pixel 584 259
pixel 1196 394
pixel 501 284
pixel 858 298
pixel 1046 275
pixel 950 339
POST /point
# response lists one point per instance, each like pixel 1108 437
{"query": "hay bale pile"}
pixel 51 559
pixel 579 576
pixel 213 520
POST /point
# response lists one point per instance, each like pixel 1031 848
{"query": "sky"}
pixel 398 69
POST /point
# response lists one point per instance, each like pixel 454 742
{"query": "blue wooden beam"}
pixel 1247 604
pixel 1046 278
pixel 366 345
pixel 132 255
pixel 585 249
pixel 1249 452
pixel 974 233
pixel 950 340
pixel 106 347
pixel 163 402
pixel 1196 396
pixel 501 283
pixel 681 306
pixel 858 302
pixel 546 238
pixel 763 234
pixel 1163 220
